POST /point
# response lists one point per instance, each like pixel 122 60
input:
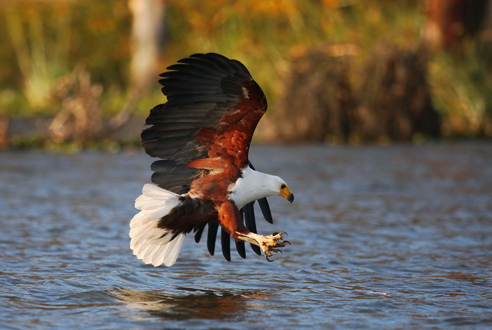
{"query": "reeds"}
pixel 42 57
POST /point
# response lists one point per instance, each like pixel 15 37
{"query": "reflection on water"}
pixel 198 304
pixel 382 237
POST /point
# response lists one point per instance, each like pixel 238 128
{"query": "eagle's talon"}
pixel 268 244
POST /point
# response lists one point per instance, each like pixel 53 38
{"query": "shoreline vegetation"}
pixel 83 74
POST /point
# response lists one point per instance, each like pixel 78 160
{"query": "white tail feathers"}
pixel 152 244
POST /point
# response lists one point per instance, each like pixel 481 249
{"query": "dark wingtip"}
pixel 211 236
pixel 225 239
pixel 241 249
pixel 199 232
pixel 249 217
pixel 265 209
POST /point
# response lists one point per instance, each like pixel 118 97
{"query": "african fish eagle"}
pixel 202 136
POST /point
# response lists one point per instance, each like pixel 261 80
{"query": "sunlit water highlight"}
pixel 382 238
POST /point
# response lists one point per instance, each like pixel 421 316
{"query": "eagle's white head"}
pixel 254 185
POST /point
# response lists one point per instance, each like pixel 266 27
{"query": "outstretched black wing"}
pixel 200 90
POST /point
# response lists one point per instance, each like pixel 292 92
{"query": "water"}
pixel 393 237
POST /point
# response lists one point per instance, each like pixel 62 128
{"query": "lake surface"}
pixel 396 237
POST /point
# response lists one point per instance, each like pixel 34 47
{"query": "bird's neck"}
pixel 251 186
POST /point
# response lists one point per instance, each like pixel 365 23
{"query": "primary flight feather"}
pixel 202 135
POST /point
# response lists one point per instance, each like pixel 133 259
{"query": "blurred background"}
pixel 83 74
pixel 402 225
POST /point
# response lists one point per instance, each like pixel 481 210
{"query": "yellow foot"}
pixel 268 244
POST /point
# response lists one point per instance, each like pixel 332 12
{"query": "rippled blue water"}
pixel 393 237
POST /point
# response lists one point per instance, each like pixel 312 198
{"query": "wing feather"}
pixel 210 98
pixel 199 232
pixel 265 210
pixel 250 221
pixel 225 239
pixel 204 91
pixel 241 249
pixel 213 227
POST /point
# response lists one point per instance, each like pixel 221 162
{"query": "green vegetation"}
pixel 462 92
pixel 48 41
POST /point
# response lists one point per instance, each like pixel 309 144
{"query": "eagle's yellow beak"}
pixel 286 193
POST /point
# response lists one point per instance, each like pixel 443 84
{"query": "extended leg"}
pixel 268 244
pixel 230 219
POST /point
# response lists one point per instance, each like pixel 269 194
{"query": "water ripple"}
pixel 382 237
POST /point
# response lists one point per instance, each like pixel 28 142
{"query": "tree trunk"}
pixel 147 29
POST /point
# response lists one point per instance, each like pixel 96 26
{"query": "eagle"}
pixel 202 136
